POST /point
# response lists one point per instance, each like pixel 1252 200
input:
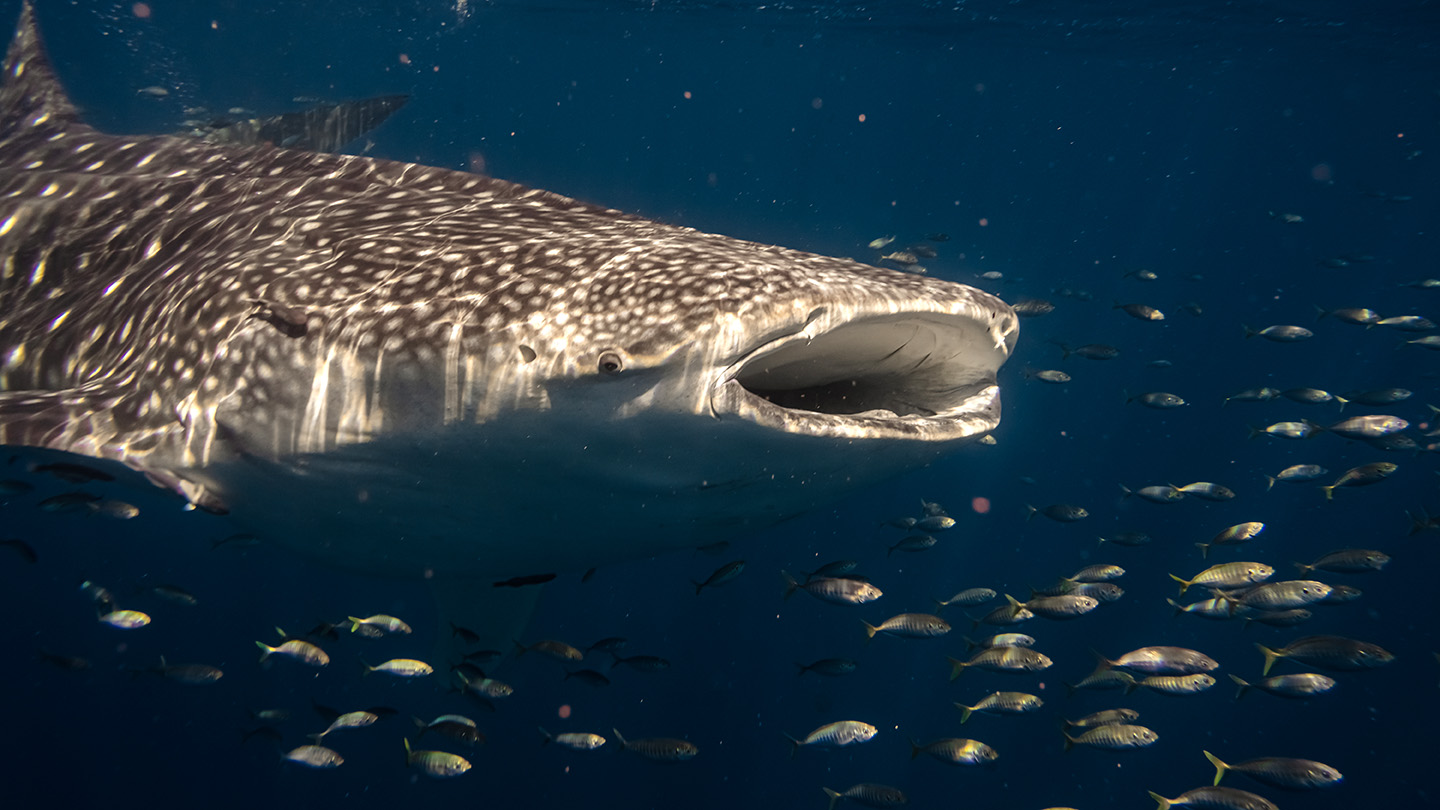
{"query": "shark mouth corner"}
pixel 921 375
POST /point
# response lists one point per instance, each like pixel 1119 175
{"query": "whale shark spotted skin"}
pixel 413 370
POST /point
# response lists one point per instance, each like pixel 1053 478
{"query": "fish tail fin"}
pixel 794 744
pixel 547 735
pixel 1070 689
pixel 870 630
pixel 620 738
pixel 941 604
pixel 1271 656
pixel 699 586
pixel 1329 490
pixel 1101 662
pixel 316 737
pixel 803 669
pixel 956 667
pixel 1249 333
pixel 520 649
pixel 1254 431
pixel 1184 584
pixel 1220 767
pixel 265 651
pixel 1419 524
pixel 366 669
pixel 1162 802
pixel 914 747
pixel 970 643
pixel 1131 685
pixel 1204 550
pixel 1179 608
pixel 354 623
pixel 1013 601
pixel 834 797
pixel 1241 686
pixel 1269 482
pixel 1030 512
pixel 1304 568
pixel 1125 492
pixel 1069 741
pixel 615 663
pixel 1320 312
pixel 790 584
pixel 1343 402
pixel 965 712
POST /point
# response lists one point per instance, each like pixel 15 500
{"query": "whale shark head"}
pixel 409 369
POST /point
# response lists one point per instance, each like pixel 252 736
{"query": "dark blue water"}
pixel 1062 147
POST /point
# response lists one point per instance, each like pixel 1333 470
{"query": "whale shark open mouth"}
pixel 910 375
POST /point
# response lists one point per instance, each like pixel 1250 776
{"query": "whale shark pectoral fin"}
pixel 92 421
pixel 497 615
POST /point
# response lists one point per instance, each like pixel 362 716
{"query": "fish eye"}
pixel 610 363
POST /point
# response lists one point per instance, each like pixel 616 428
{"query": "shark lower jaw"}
pixel 916 376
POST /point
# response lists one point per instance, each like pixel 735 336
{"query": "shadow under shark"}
pixel 413 371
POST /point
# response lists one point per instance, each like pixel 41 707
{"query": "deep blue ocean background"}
pixel 1062 145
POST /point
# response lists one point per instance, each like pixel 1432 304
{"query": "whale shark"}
pixel 419 372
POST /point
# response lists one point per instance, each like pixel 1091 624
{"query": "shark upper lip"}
pixel 926 373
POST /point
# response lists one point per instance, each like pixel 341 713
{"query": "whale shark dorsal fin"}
pixel 31 95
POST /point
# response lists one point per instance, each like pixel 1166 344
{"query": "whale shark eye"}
pixel 610 363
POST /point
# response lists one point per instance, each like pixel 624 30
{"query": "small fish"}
pixel 1431 342
pixel 1312 396
pixel 1297 687
pixel 1049 375
pixel 1264 394
pixel 589 677
pixel 1227 575
pixel 235 541
pixel 455 727
pixel 10 487
pixel 1163 660
pixel 154 91
pixel 1214 798
pixel 662 749
pixel 1177 684
pixel 386 624
pixel 1359 316
pixel 1127 539
pixel 1407 323
pixel 1276 596
pixel 837 568
pixel 923 251
pixel 192 674
pixel 1205 490
pixel 1347 561
pixel 529 579
pixel 909 625
pixel 438 764
pixel 1062 607
pixel 466 635
pixel 1159 493
pixel 1104 678
pixel 1288 219
pixel 1141 275
pixel 835 590
pixel 720 576
pixel 966 598
pixel 358 719
pixel 125 619
pixel 1059 512
pixel 913 543
pixel 1295 473
pixel 1011 613
pixel 1158 400
pixel 1340 594
pixel 935 523
pixel 834 735
pixel 609 644
pixel 1281 772
pixel 1217 609
pixel 938 237
pixel 1329 652
pixel 1001 659
pixel 1033 307
pixel 1280 333
pixel 1287 430
pixel 1232 536
pixel 119 510
pixel 1374 426
pixel 1108 717
pixel 1090 351
pixel 302 651
pixel 558 650
pixel 881 242
pixel 574 740
pixel 1115 737
pixel 1361 476
pixel 904 257
pixel 1000 640
pixel 643 663
pixel 1101 572
pixel 485 688
pixel 175 594
pixel 955 751
pixel 1141 312
pixel 1275 618
pixel 868 794
pixel 833 667
pixel 314 756
pixel 71 503
pixel 1001 703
